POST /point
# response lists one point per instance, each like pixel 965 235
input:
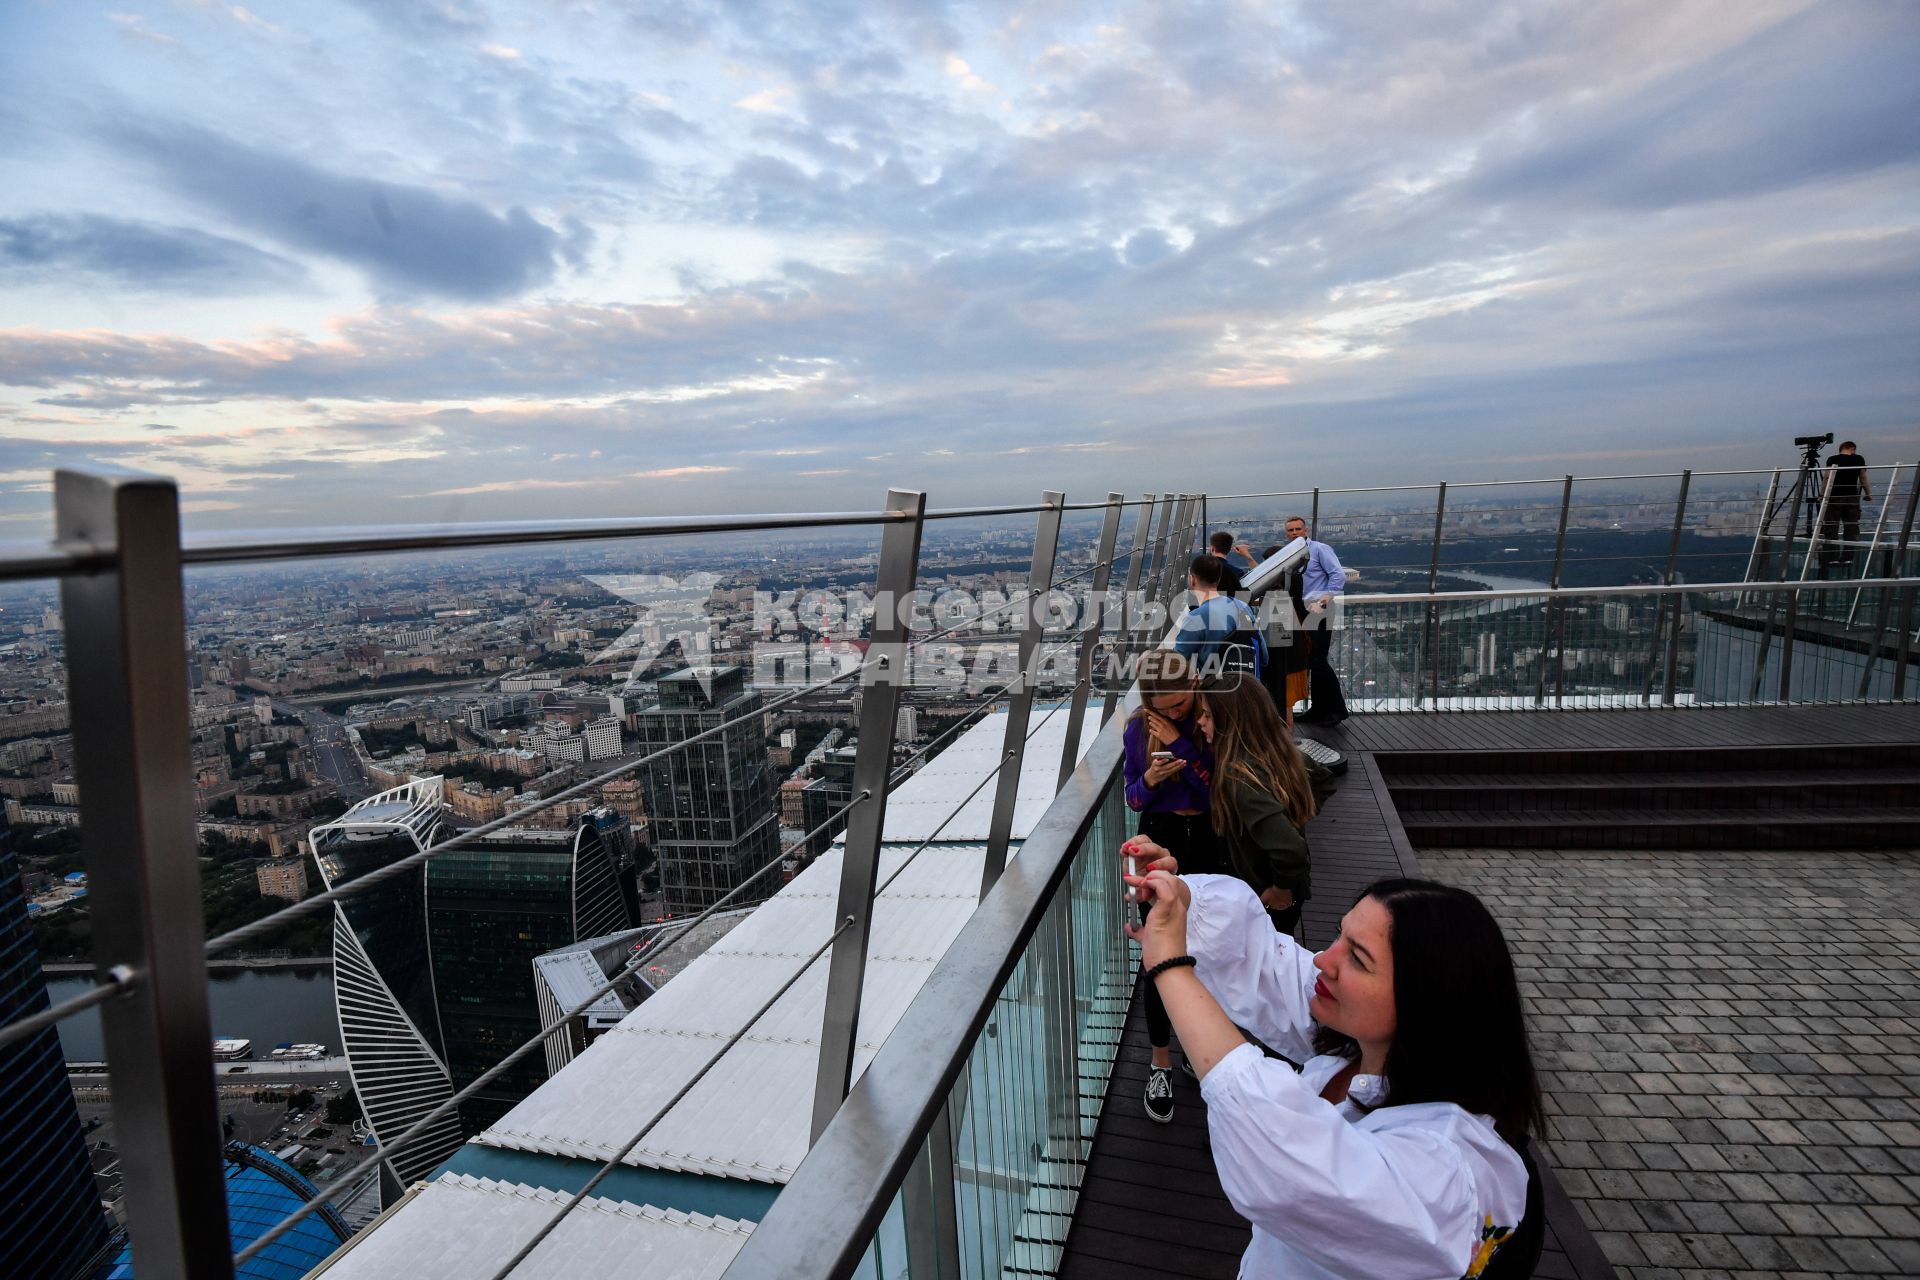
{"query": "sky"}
pixel 428 260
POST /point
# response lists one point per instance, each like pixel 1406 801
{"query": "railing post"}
pixel 1660 602
pixel 1780 575
pixel 927 1202
pixel 1433 610
pixel 1552 621
pixel 1062 1039
pixel 1128 623
pixel 1157 565
pixel 1760 533
pixel 1898 570
pixel 1096 596
pixel 1313 515
pixel 1173 568
pixel 1906 645
pixel 1873 548
pixel 860 858
pixel 132 734
pixel 1046 542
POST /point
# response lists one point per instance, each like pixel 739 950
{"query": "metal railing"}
pixel 120 557
pixel 974 1117
pixel 904 1132
pixel 1673 644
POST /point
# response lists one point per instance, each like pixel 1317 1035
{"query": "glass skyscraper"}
pixel 383 976
pixel 491 908
pixel 710 805
pixel 51 1222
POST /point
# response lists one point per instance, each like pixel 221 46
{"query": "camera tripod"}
pixel 1803 494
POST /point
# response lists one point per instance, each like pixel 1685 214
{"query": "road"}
pixel 332 754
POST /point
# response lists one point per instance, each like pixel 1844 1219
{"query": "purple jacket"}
pixel 1188 789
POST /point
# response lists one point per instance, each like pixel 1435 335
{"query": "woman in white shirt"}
pixel 1390 1153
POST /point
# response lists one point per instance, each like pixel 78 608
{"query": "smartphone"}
pixel 1161 757
pixel 1133 869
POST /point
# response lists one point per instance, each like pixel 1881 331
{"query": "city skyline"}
pixel 455 261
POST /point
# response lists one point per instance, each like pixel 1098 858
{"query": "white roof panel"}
pixel 918 807
pixel 748 1116
pixel 466 1226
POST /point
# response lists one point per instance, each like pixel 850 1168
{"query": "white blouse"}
pixel 1419 1192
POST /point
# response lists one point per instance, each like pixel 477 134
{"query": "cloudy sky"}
pixel 459 259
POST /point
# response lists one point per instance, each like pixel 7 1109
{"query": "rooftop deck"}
pixel 1754 1113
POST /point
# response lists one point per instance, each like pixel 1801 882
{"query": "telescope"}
pixel 1813 442
pixel 1273 571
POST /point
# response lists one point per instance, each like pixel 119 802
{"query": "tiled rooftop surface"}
pixel 1731 1046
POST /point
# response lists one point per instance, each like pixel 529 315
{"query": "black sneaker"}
pixel 1160 1094
pixel 1186 1065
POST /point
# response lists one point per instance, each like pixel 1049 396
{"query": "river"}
pixel 266 1006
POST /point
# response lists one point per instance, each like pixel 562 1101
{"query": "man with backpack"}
pixel 1219 633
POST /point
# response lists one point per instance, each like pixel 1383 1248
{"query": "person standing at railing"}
pixel 1235 559
pixel 1321 580
pixel 1168 768
pixel 1384 1132
pixel 1847 488
pixel 1286 672
pixel 1219 633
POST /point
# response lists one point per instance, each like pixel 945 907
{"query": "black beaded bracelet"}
pixel 1177 962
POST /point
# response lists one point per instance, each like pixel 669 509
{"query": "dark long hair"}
pixel 1252 747
pixel 1460 1033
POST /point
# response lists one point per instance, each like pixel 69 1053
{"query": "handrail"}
pixel 20 562
pixel 117 981
pixel 1490 484
pixel 834 1202
pixel 1646 589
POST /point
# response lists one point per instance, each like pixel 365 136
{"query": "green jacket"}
pixel 1263 844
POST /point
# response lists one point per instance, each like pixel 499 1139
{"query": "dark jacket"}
pixel 1263 845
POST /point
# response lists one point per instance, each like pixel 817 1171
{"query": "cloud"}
pixel 1828 93
pixel 427 19
pixel 409 239
pixel 134 27
pixel 518 485
pixel 681 473
pixel 138 255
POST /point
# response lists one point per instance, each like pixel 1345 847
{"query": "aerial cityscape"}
pixel 596 816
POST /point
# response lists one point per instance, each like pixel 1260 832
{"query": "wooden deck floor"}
pixel 1151 1204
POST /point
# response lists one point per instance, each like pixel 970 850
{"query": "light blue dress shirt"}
pixel 1322 575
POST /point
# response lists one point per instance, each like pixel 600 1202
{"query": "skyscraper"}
pixel 383 975
pixel 711 803
pixel 51 1222
pixel 826 796
pixel 492 907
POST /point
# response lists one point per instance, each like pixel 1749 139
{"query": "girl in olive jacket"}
pixel 1264 792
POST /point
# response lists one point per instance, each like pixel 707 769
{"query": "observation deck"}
pixel 1689 790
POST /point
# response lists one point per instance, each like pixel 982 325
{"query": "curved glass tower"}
pixel 50 1217
pixel 383 975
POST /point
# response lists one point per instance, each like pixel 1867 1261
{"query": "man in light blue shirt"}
pixel 1321 578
